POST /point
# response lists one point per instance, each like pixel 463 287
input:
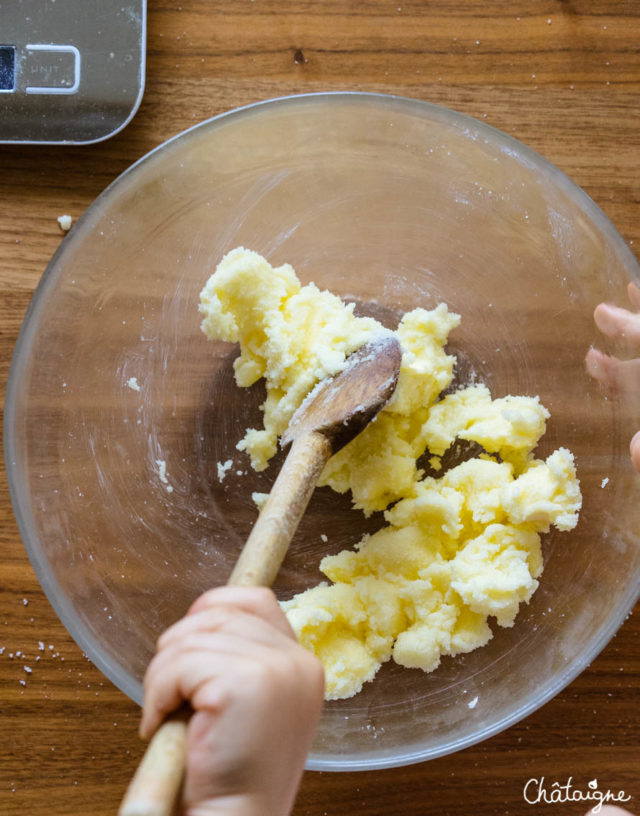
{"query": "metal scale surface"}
pixel 71 71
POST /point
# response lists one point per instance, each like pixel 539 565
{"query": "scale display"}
pixel 7 68
pixel 71 71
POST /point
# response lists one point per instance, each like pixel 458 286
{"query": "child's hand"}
pixel 621 376
pixel 256 694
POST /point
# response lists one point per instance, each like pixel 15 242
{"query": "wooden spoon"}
pixel 334 413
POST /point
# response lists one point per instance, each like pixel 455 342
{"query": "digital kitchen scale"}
pixel 71 71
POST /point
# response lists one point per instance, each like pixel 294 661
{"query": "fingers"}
pixel 618 323
pixel 256 600
pixel 165 690
pixel 597 365
pixel 243 626
pixel 198 670
pixel 634 448
pixel 259 601
pixel 633 293
pixel 620 376
pixel 231 621
pixel 215 606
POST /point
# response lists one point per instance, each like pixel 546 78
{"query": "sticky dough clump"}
pixel 292 335
pixel 456 550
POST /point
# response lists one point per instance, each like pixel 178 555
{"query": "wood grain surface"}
pixel 563 76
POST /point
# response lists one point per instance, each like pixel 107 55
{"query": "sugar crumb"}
pixel 223 467
pixel 259 499
pixel 162 473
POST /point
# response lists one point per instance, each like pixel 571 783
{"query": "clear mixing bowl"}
pixel 118 409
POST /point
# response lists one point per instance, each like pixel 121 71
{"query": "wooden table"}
pixel 563 76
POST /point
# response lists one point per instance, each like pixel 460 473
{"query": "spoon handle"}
pixel 158 778
pixel 269 540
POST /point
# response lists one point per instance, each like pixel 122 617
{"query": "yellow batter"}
pixel 457 549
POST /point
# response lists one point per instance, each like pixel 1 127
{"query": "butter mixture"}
pixel 457 549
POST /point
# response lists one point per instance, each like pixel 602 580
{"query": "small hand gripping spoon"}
pixel 335 412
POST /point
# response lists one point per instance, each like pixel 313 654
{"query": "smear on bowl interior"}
pixel 457 549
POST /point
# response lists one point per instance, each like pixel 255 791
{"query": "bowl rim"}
pixel 79 631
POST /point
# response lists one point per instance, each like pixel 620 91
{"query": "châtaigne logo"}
pixel 539 791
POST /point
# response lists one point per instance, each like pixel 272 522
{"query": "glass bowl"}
pixel 118 409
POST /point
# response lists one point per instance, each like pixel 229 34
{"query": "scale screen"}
pixel 7 68
pixel 71 71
